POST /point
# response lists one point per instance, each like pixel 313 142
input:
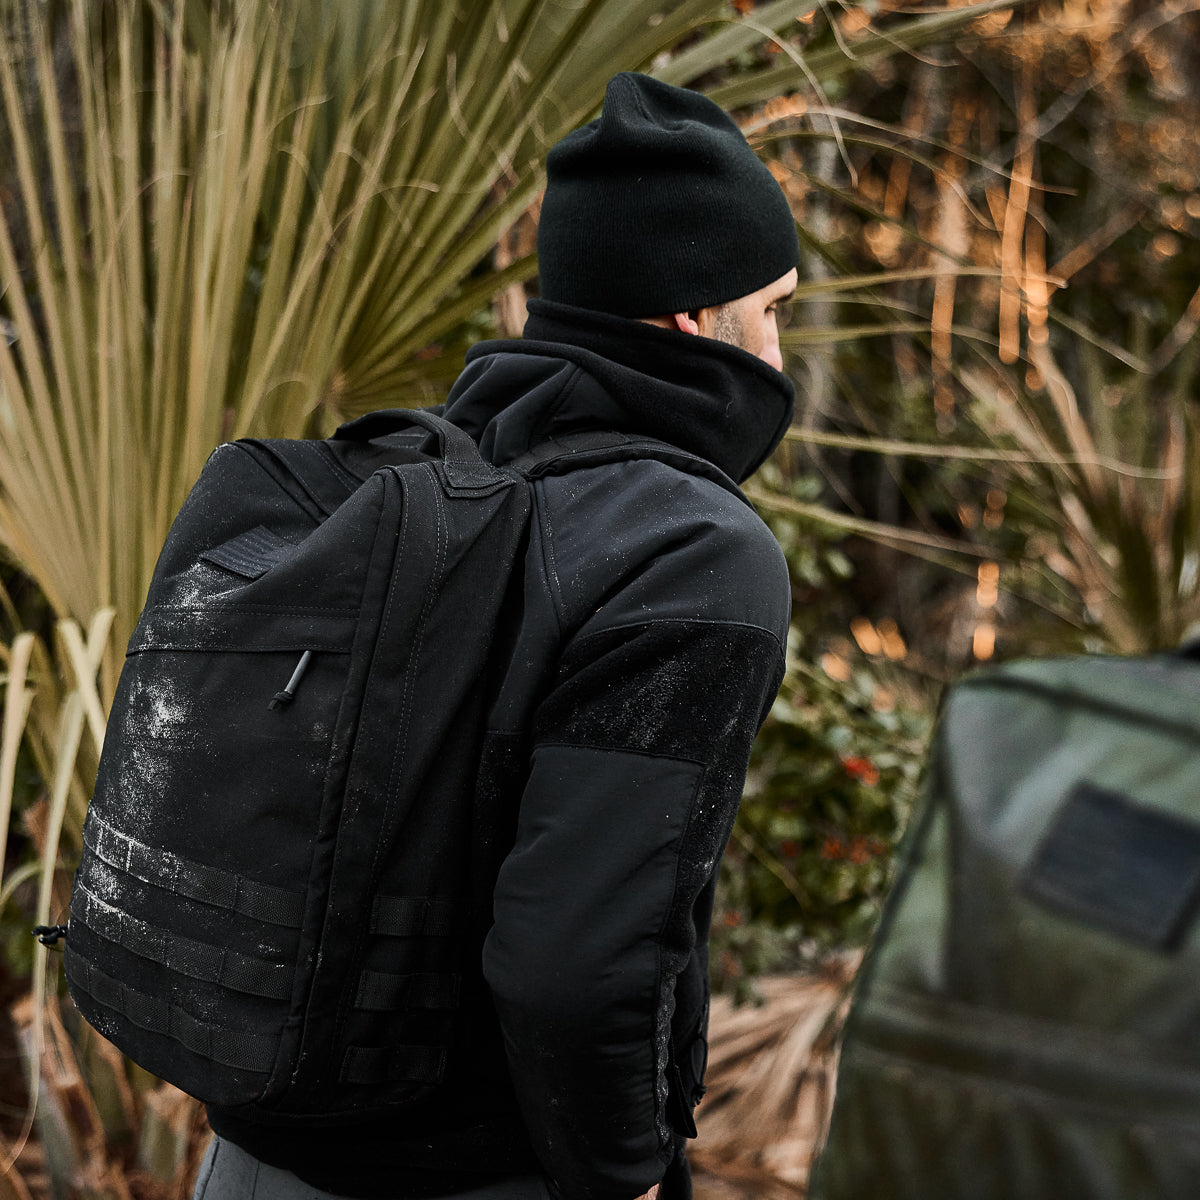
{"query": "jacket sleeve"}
pixel 638 762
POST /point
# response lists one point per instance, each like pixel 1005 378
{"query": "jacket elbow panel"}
pixel 584 895
pixel 574 960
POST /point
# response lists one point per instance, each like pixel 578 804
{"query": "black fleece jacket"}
pixel 649 646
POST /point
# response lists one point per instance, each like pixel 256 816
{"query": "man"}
pixel 650 646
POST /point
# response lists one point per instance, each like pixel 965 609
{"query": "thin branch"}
pixel 1079 256
pixel 825 107
pixel 1174 342
pixel 974 453
pixel 878 531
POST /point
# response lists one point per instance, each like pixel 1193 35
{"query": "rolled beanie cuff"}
pixel 652 290
pixel 660 206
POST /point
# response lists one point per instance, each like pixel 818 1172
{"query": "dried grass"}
pixel 770 1085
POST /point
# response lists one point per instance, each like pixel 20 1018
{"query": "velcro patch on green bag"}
pixel 1120 865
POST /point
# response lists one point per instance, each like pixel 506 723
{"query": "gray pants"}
pixel 229 1173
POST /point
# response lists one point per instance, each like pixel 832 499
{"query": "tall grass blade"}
pixel 18 700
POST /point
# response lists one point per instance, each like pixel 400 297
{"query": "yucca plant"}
pixel 229 246
pixel 1106 494
pixel 53 711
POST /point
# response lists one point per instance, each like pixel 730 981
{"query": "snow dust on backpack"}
pixel 1027 1023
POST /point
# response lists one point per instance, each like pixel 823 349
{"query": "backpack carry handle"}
pixel 458 449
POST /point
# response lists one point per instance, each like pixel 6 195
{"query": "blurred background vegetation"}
pixel 222 218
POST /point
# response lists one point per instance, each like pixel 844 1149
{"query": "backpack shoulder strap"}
pixel 593 448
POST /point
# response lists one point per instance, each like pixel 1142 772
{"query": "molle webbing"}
pixel 377 991
pixel 209 885
pixel 409 916
pixel 392 1064
pixel 381 992
pixel 198 960
pixel 237 1048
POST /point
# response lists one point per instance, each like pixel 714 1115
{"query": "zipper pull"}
pixel 289 692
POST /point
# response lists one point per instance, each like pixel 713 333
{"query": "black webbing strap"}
pixel 416 916
pixel 394 1064
pixel 380 992
pixel 209 885
pixel 236 1048
pixel 198 960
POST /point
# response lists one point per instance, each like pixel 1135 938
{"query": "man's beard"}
pixel 729 327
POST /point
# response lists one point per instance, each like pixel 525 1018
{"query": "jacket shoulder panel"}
pixel 642 540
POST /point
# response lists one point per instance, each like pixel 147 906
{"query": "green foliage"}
pixel 835 773
pixel 833 776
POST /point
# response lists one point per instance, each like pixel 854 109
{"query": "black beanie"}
pixel 660 206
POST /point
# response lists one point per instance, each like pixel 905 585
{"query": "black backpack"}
pixel 287 867
pixel 1027 1023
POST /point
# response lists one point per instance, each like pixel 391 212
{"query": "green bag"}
pixel 1027 1023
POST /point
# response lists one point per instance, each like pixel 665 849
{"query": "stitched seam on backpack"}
pixel 312 502
pixel 409 687
pixel 346 1005
pixel 334 464
pixel 250 609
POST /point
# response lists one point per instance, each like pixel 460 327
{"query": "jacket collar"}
pixel 577 369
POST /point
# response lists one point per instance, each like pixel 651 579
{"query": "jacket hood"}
pixel 577 369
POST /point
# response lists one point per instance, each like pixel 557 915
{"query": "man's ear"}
pixel 687 322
